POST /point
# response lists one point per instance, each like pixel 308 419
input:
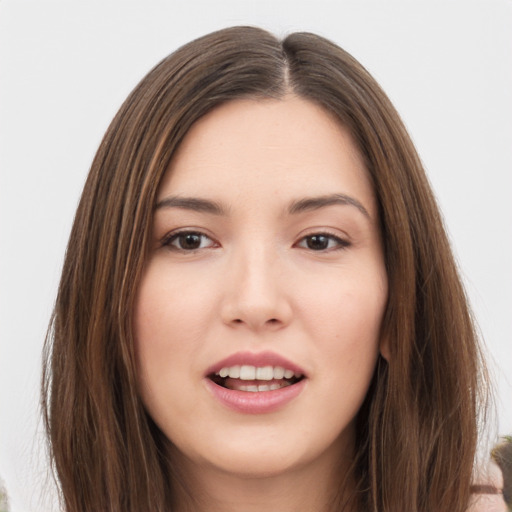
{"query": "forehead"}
pixel 250 149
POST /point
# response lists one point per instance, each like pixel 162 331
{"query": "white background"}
pixel 65 68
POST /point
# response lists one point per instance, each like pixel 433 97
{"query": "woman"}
pixel 259 308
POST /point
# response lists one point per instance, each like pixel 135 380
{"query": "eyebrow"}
pixel 191 203
pixel 314 203
pixel 298 206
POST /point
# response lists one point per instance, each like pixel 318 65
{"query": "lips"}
pixel 255 378
pixel 255 383
pixel 258 360
pixel 246 369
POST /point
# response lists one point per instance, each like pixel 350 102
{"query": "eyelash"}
pixel 339 243
pixel 175 236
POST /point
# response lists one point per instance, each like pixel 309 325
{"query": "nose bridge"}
pixel 256 293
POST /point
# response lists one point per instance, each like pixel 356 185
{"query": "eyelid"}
pixel 168 238
pixel 342 241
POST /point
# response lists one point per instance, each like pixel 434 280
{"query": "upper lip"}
pixel 255 359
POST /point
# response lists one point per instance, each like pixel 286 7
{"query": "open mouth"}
pixel 255 378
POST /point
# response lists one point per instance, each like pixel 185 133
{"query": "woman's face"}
pixel 257 319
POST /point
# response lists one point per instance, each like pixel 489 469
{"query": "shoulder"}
pixel 487 493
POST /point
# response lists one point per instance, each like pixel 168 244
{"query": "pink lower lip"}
pixel 260 402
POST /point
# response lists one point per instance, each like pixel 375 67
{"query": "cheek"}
pixel 345 321
pixel 351 305
pixel 168 330
pixel 170 308
pixel 347 334
pixel 165 349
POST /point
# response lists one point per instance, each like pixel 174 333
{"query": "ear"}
pixel 384 348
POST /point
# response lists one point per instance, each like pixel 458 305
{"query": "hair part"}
pixel 418 428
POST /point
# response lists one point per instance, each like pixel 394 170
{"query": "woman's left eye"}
pixel 322 242
pixel 188 241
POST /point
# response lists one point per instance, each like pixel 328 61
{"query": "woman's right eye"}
pixel 188 241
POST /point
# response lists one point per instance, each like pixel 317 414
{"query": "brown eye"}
pixel 317 242
pixel 322 242
pixel 188 241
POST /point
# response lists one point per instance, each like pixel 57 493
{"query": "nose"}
pixel 256 292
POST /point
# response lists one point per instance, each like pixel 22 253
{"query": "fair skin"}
pixel 266 251
pixel 484 500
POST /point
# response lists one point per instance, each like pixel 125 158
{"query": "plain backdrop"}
pixel 66 66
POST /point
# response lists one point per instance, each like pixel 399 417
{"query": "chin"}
pixel 255 466
pixel 266 453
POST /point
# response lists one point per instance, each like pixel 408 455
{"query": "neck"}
pixel 323 486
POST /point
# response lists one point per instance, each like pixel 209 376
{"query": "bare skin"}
pixel 266 244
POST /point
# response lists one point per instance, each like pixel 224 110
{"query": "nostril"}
pixel 271 321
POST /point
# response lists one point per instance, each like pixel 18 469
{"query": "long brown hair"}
pixel 417 430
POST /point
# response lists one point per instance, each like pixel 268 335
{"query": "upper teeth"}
pixel 247 372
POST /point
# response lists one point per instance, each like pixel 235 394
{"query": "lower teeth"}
pixel 262 387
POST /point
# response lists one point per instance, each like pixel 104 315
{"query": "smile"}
pixel 255 383
pixel 255 379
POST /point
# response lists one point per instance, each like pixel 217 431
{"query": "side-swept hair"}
pixel 417 430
